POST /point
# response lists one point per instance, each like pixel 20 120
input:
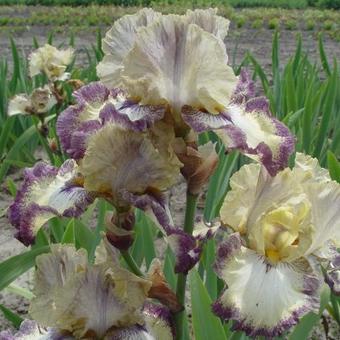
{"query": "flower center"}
pixel 281 229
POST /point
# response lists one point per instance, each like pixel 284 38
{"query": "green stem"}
pixel 189 220
pixel 131 263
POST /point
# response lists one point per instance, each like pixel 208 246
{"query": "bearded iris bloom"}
pixel 76 300
pixel 50 61
pixel 39 102
pixel 286 227
pixel 181 62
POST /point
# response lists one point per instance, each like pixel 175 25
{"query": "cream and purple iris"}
pixel 47 192
pixel 50 61
pixel 286 227
pixel 181 62
pixel 76 300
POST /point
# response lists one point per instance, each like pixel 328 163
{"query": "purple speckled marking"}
pixel 22 212
pixel 113 106
pixel 311 286
pixel 158 311
pixel 245 88
pixel 243 97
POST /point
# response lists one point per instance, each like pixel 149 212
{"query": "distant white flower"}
pixel 40 101
pixel 51 61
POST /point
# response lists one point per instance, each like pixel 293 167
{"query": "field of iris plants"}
pixel 157 103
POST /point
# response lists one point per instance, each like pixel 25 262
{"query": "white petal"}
pixel 19 105
pixel 262 299
pixel 179 63
pixel 118 42
pixel 325 202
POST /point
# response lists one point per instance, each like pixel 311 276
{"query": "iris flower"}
pixel 286 227
pixel 50 61
pixel 40 101
pixel 76 300
pixel 180 61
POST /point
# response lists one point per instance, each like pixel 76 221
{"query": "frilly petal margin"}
pixel 158 321
pixel 332 277
pixel 248 126
pixel 47 192
pixel 95 106
pixel 187 248
pixel 261 299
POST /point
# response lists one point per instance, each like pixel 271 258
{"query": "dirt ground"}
pixel 258 42
pixel 238 42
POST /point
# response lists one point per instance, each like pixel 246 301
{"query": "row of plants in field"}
pixel 21 18
pixel 111 158
pixel 293 4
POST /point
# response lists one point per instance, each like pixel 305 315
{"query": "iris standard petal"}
pixel 171 63
pixel 261 299
pixel 47 192
pixel 117 159
pixel 118 42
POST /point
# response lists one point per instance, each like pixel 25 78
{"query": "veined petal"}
pixel 47 192
pixel 158 322
pixel 171 63
pixel 259 136
pixel 53 272
pixel 263 300
pixel 118 42
pixel 118 159
pixel 208 20
pixel 86 300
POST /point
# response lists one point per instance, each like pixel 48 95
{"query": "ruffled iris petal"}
pixel 118 42
pixel 47 192
pixel 84 299
pixel 170 63
pixel 263 300
pixel 158 321
pixel 95 107
pixel 118 159
pixel 246 125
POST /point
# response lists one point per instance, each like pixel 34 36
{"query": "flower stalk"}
pixel 131 263
pixel 189 220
